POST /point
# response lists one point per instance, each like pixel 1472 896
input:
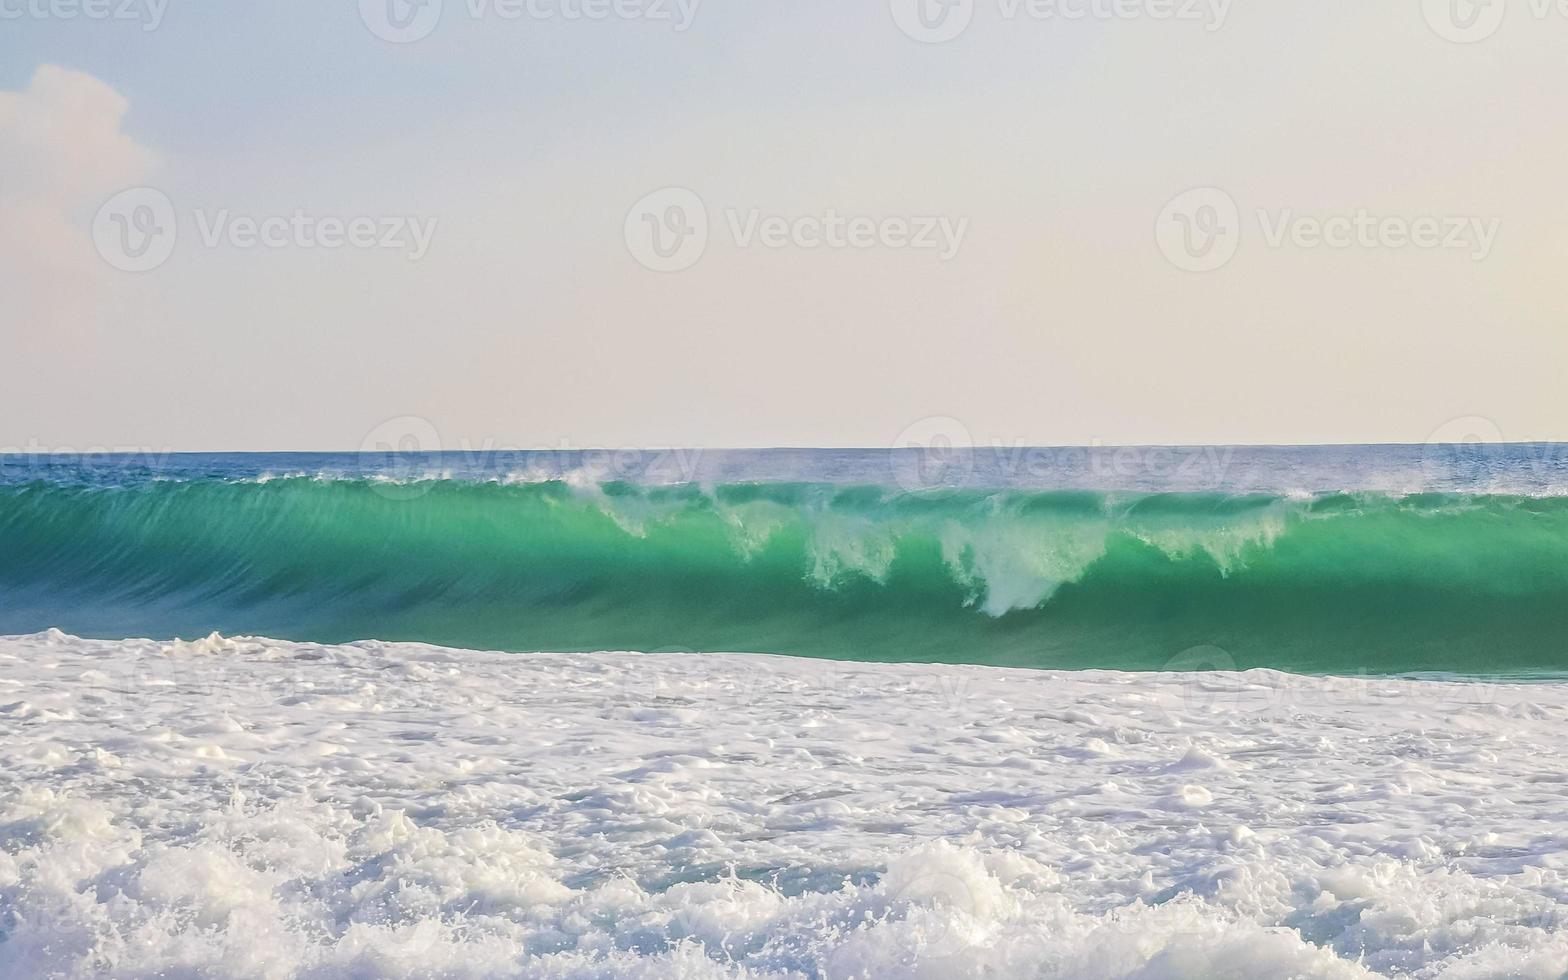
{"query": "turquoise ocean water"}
pixel 1375 559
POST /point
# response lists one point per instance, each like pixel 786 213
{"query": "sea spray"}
pixel 1338 582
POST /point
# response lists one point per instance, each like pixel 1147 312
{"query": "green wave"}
pixel 1339 583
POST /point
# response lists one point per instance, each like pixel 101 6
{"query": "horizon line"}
pixel 119 451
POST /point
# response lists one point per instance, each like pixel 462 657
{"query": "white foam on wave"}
pixel 1007 559
pixel 1019 561
pixel 1019 564
pixel 251 808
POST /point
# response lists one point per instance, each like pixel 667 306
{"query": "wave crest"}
pixel 1010 576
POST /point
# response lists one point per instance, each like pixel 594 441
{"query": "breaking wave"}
pixel 1316 583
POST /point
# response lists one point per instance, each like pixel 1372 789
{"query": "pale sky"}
pixel 1056 307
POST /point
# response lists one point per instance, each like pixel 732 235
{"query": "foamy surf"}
pixel 255 808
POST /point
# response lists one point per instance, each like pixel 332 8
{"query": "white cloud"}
pixel 62 153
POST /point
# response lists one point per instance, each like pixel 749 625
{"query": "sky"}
pixel 337 224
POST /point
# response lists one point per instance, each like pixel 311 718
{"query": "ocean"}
pixel 1345 560
pixel 1089 714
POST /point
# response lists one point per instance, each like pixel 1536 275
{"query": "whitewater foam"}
pixel 235 807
